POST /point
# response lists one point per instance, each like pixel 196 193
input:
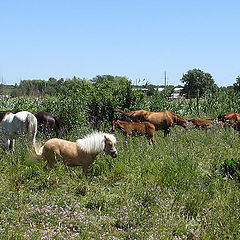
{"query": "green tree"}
pixel 197 83
pixel 236 85
pixel 32 87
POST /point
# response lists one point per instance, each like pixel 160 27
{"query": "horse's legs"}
pixel 50 157
pixel 166 132
pixel 12 142
pixel 8 143
pixel 85 169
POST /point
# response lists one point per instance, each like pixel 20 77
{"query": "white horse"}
pixel 21 124
pixel 80 153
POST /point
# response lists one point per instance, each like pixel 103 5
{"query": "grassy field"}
pixel 176 189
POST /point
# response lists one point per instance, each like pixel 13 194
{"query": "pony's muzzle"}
pixel 114 154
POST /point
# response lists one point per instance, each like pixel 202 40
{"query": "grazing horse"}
pixel 201 123
pixel 48 123
pixel 231 118
pixel 19 124
pixel 135 128
pixel 80 153
pixel 161 120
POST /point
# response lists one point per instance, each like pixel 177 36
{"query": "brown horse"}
pixel 80 153
pixel 231 118
pixel 161 120
pixel 136 128
pixel 49 123
pixel 201 123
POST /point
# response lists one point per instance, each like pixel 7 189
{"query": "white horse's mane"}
pixel 94 142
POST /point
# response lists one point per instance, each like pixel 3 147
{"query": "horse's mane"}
pixel 94 142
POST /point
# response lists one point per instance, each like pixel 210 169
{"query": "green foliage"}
pixel 109 93
pixel 232 168
pixel 197 83
pixel 236 85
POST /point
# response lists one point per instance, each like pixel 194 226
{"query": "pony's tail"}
pixel 37 152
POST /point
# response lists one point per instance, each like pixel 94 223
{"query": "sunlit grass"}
pixel 173 190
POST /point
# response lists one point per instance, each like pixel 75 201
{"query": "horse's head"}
pixel 191 122
pixel 181 121
pixel 109 147
pixel 221 118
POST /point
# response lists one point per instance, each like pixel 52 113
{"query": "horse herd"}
pixel 84 151
pixel 14 124
pixel 146 122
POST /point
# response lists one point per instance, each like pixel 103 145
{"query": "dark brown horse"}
pixel 136 128
pixel 163 120
pixel 48 123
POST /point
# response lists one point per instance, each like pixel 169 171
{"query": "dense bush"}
pixel 80 103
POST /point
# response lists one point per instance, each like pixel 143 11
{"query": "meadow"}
pixel 176 189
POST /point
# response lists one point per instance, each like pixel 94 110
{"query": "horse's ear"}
pixel 105 138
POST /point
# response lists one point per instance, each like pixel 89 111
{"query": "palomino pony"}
pixel 136 128
pixel 161 120
pixel 19 124
pixel 80 153
pixel 48 123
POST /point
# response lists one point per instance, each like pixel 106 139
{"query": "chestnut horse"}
pixel 231 118
pixel 48 123
pixel 201 123
pixel 161 120
pixel 135 128
pixel 80 153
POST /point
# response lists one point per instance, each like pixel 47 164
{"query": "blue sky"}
pixel 139 39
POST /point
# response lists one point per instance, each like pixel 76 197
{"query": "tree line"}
pixel 78 101
pixel 196 83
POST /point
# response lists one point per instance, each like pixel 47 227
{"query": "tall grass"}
pixel 173 190
pixel 176 189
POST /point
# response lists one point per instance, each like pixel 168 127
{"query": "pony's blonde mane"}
pixel 94 142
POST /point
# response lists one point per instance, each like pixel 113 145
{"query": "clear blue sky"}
pixel 139 39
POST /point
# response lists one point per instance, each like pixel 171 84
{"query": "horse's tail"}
pixel 122 112
pixel 37 151
pixel 60 127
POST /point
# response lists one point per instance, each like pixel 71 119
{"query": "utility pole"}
pixel 165 80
